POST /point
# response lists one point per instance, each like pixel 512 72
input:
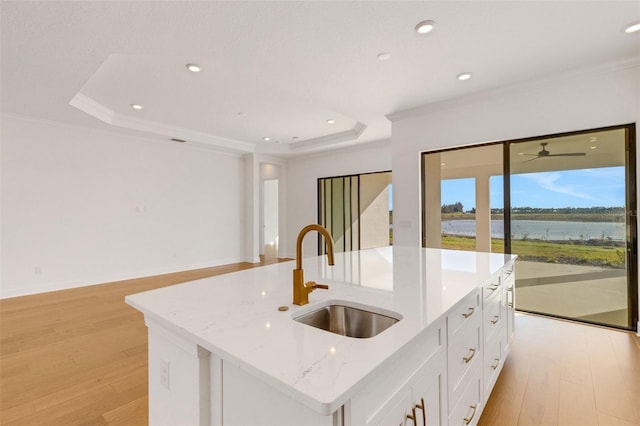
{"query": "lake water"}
pixel 542 229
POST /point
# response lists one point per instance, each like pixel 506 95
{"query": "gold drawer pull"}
pixel 510 304
pixel 470 357
pixel 469 313
pixel 424 411
pixel 468 420
pixel 497 360
pixel 494 287
pixel 496 319
pixel 412 416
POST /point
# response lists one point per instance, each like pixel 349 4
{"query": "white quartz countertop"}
pixel 236 316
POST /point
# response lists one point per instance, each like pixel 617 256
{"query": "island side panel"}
pixel 246 400
pixel 179 379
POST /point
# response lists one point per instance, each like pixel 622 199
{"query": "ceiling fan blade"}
pixel 568 154
pixel 534 158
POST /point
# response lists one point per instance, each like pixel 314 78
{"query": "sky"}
pixel 571 188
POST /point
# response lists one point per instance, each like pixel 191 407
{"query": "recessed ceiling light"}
pixel 592 147
pixel 331 121
pixel 136 106
pixel 442 164
pixel 266 138
pixel 632 28
pixel 593 139
pixel 193 67
pixel 464 76
pixel 425 27
pixel 384 56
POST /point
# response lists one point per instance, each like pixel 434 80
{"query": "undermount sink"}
pixel 348 320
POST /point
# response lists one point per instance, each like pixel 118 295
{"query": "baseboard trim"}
pixel 27 290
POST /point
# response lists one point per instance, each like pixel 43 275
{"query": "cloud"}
pixel 549 181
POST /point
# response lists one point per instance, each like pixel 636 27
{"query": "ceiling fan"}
pixel 543 153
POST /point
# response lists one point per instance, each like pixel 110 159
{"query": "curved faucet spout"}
pixel 327 238
pixel 300 289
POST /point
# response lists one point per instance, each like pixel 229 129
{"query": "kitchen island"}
pixel 221 351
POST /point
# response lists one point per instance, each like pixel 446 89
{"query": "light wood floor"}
pixel 564 373
pixel 79 357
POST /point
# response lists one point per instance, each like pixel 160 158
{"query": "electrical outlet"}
pixel 164 373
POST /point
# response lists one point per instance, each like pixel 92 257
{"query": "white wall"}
pixel 302 185
pixel 83 206
pixel 604 96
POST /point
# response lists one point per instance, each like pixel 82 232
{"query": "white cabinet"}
pixel 469 406
pixel 443 375
pixel 410 390
pixel 464 358
pixel 420 402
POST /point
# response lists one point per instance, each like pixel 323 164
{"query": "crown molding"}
pixel 99 111
pixel 328 140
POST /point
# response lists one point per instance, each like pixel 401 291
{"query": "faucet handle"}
pixel 315 285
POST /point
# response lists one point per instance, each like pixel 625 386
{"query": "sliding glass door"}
pixel 356 210
pixel 565 204
pixel 572 208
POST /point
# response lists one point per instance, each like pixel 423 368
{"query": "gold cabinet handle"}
pixel 412 416
pixel 424 411
pixel 494 287
pixel 497 360
pixel 470 357
pixel 510 304
pixel 468 420
pixel 496 318
pixel 469 313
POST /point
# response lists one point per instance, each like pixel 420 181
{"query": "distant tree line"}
pixel 564 210
pixel 457 207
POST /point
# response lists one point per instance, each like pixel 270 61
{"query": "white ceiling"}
pixel 288 66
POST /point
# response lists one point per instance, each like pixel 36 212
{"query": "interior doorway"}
pixel 270 218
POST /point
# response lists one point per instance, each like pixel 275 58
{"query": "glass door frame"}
pixel 631 201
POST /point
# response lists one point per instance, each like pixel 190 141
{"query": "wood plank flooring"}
pixel 564 373
pixel 79 357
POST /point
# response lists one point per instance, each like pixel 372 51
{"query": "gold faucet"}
pixel 301 289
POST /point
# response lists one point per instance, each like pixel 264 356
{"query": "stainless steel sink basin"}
pixel 347 320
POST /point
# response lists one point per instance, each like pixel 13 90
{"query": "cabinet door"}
pixel 430 393
pixel 394 413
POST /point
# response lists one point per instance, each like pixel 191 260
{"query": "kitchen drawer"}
pixel 508 270
pixel 463 355
pixel 494 353
pixel 469 407
pixel 492 314
pixel 465 312
pixel 492 287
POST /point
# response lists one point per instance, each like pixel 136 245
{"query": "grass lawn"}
pixel 574 252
